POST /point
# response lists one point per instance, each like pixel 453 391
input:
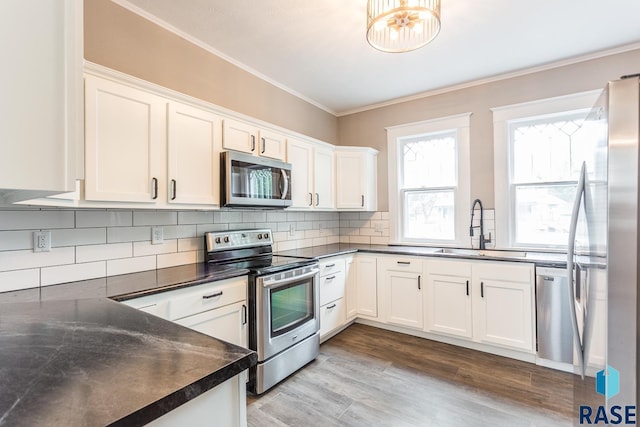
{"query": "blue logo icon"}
pixel 608 383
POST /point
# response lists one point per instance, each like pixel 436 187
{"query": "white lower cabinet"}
pixel 367 286
pixel 351 288
pixel 218 309
pixel 401 282
pixel 332 296
pixel 447 298
pixel 490 302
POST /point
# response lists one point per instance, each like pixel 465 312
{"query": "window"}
pixel 429 192
pixel 539 150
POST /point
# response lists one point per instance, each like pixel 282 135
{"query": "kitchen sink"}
pixel 489 253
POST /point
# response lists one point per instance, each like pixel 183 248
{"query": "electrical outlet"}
pixel 157 235
pixel 378 227
pixel 41 241
pixel 292 229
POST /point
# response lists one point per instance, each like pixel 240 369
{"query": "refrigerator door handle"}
pixel 570 266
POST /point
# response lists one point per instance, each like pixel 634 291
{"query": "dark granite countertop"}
pixel 69 355
pixel 94 362
pixel 541 259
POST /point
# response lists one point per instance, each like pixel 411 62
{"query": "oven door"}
pixel 287 309
pixel 255 181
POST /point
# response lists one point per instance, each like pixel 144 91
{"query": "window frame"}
pixel 504 185
pixel 460 125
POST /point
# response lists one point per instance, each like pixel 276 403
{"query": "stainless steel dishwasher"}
pixel 554 329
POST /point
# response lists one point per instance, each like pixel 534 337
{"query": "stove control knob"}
pixel 226 239
pixel 266 235
pixel 259 236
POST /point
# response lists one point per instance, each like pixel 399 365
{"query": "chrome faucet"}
pixel 481 226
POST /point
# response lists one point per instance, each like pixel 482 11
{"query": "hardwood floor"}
pixel 367 376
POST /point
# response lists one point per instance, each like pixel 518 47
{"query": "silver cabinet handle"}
pixel 330 278
pixel 404 262
pixel 310 199
pixel 467 288
pixel 244 314
pixel 329 307
pixel 363 200
pixel 317 199
pixel 174 190
pixel 264 146
pixel 217 294
pixel 419 286
pixel 482 289
pixel 253 142
pixel 329 265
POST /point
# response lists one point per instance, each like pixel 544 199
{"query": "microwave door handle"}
pixel 286 184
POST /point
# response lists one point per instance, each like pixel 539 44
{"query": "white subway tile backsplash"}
pixel 195 217
pixel 304 225
pixel 364 240
pixel 227 216
pixel 154 218
pixel 349 215
pixel 36 220
pixel 90 253
pixel 19 279
pixel 128 234
pixel 312 216
pixel 286 246
pixel 192 244
pixel 310 234
pixel 361 223
pixel 375 240
pixel 319 241
pixel 370 215
pixel 344 239
pixel 73 272
pixel 276 216
pixel 16 240
pixel 181 258
pixel 207 228
pixel 254 216
pixel 304 243
pixel 242 226
pixel 384 215
pixel 130 265
pixel 19 260
pixel 295 216
pixel 333 239
pixel 146 248
pixel 94 218
pixel 78 236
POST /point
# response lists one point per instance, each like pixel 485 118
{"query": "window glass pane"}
pixel 543 214
pixel 550 149
pixel 429 160
pixel 429 215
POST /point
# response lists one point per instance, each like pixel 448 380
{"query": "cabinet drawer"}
pixel 331 266
pixel 413 265
pixel 332 316
pixel 207 297
pixel 331 287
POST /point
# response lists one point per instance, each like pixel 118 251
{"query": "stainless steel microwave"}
pixel 250 181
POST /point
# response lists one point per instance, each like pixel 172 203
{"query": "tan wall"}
pixel 121 40
pixel 367 128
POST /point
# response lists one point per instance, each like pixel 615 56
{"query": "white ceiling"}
pixel 316 49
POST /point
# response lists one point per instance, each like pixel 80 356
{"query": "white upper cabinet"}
pixel 194 155
pixel 311 175
pixel 356 175
pixel 245 137
pixel 41 85
pixel 125 143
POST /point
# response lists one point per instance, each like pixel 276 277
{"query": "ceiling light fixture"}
pixel 402 25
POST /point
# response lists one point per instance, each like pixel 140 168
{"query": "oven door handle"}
pixel 278 283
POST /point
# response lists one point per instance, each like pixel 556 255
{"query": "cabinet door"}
pixel 272 145
pixel 323 178
pixel 403 298
pixel 194 155
pixel 125 143
pixel 332 316
pixel 239 136
pixel 448 305
pixel 503 313
pixel 41 103
pixel 300 155
pixel 351 289
pixel 367 290
pixel 350 175
pixel 228 323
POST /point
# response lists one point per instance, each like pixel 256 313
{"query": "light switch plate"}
pixel 157 235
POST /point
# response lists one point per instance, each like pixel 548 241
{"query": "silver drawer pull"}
pixel 329 265
pixel 217 294
pixel 330 278
pixel 331 306
pixel 404 262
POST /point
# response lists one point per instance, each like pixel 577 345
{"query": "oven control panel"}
pixel 236 239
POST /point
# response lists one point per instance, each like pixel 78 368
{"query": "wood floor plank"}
pixel 366 376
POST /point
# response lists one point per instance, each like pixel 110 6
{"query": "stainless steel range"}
pixel 284 307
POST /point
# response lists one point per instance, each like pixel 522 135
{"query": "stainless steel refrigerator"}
pixel 603 254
